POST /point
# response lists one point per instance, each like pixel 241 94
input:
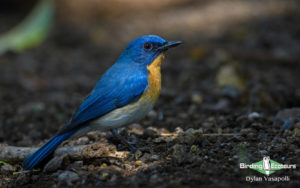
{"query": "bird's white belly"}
pixel 124 116
pixel 119 117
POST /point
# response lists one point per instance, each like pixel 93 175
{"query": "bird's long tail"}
pixel 35 158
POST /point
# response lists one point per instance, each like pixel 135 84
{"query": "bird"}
pixel 123 95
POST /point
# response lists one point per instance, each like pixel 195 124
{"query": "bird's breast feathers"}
pixel 137 110
pixel 154 80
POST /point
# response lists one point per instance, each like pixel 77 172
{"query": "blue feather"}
pixel 120 85
pixel 32 160
pixel 115 89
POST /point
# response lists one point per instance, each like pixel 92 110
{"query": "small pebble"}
pixel 56 163
pixel 154 178
pixel 178 130
pixel 189 136
pixel 105 175
pixel 154 157
pixel 178 152
pixel 93 135
pixel 286 125
pixel 91 167
pixel 7 168
pixel 263 152
pixel 138 154
pixel 68 177
pixel 149 133
pixel 197 98
pixel 193 148
pixel 82 140
pixel 254 115
pixel 103 165
pixel 222 145
pixel 296 132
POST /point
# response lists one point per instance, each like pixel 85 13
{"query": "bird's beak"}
pixel 169 44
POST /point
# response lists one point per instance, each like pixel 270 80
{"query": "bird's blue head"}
pixel 143 50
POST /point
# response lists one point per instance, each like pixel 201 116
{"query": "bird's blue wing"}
pixel 118 87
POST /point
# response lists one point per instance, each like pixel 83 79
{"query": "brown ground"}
pixel 42 87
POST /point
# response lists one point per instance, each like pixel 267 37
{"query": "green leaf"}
pixel 32 31
pixel 3 162
pixel 26 171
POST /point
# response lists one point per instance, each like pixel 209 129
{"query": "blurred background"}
pixel 240 58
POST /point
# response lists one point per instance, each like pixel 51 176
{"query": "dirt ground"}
pixel 204 124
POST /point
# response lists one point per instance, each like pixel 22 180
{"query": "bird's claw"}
pixel 129 145
pixel 134 149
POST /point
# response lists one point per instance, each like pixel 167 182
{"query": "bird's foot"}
pixel 133 149
pixel 129 145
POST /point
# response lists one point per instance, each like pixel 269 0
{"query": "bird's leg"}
pixel 132 148
pixel 123 140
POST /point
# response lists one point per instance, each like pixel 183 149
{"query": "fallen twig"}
pixel 14 154
pixel 207 134
pixel 220 134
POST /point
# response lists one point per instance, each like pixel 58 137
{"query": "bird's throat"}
pixel 154 78
pixel 157 62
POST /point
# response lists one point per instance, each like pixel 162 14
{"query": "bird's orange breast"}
pixel 154 79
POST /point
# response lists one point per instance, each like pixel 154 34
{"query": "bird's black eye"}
pixel 148 46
